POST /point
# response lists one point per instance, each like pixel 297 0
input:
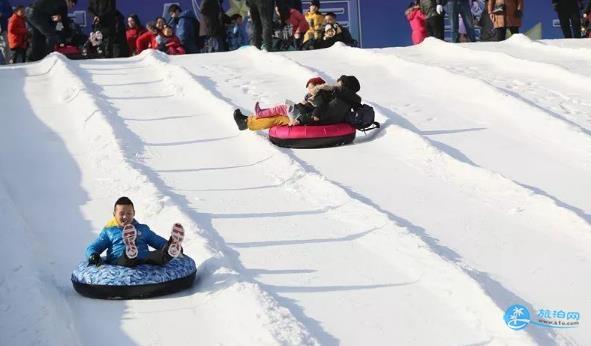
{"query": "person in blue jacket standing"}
pixel 5 13
pixel 127 240
pixel 186 27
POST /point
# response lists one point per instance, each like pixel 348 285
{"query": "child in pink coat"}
pixel 416 19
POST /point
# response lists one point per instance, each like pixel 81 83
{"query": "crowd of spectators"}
pixel 493 18
pixel 30 33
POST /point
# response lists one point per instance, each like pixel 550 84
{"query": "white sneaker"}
pixel 176 238
pixel 129 237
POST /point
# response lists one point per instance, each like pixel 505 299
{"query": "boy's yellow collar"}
pixel 113 223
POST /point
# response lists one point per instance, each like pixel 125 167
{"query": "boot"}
pixel 240 120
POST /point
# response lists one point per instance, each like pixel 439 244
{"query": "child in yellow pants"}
pixel 254 124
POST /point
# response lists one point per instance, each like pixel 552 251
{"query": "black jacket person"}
pixel 569 14
pixel 46 18
pixel 332 103
pixel 103 15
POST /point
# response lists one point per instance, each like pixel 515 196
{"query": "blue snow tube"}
pixel 142 281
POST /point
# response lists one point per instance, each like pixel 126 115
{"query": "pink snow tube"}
pixel 312 136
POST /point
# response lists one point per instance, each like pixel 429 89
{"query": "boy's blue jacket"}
pixel 111 239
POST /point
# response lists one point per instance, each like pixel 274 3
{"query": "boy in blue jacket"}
pixel 127 240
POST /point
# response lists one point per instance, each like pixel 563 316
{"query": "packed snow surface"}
pixel 473 196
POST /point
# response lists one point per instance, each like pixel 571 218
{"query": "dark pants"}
pixel 570 23
pixel 44 36
pixel 261 12
pixel 310 44
pixel 18 55
pixel 120 47
pixel 460 8
pixel 158 257
pixel 501 33
pixel 109 39
pixel 435 26
pixel 214 44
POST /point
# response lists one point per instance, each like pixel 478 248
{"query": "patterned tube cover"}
pixel 143 274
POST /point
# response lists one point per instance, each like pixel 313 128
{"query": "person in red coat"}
pixel 147 39
pixel 17 35
pixel 416 19
pixel 133 32
pixel 168 42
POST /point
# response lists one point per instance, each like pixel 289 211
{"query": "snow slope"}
pixel 474 195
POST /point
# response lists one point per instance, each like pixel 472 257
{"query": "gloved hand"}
pixel 518 13
pixel 439 9
pixel 95 259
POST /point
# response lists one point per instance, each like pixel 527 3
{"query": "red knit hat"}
pixel 315 81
